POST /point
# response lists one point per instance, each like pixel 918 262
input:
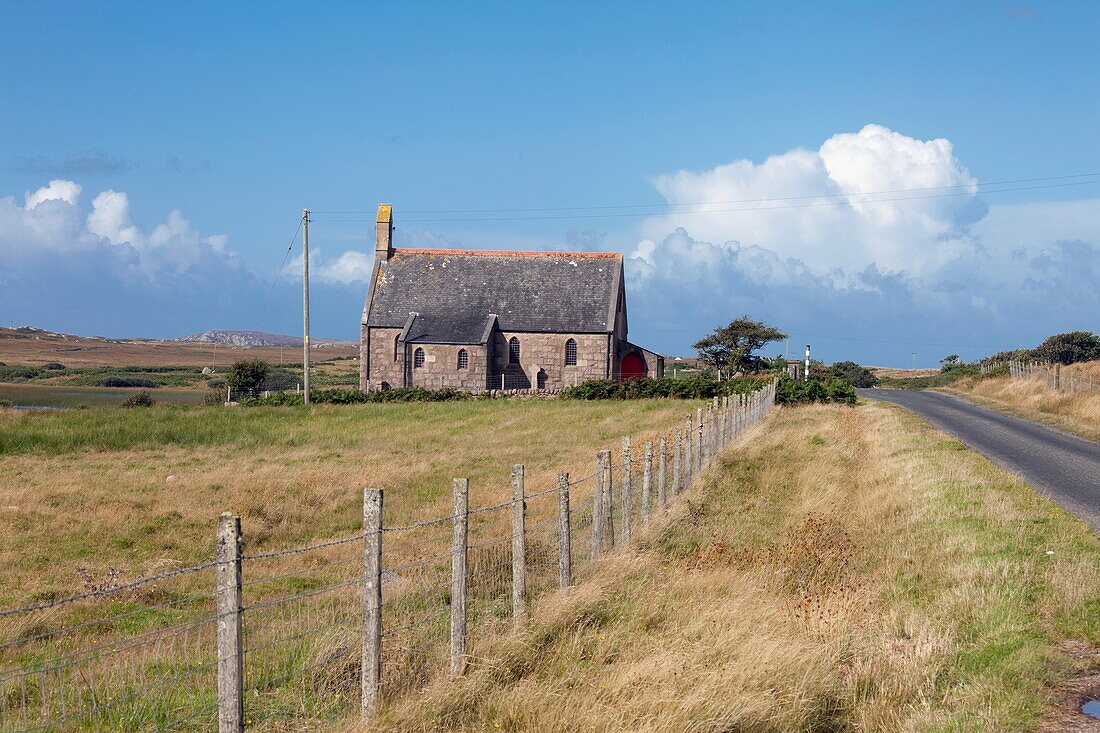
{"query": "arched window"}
pixel 463 359
pixel 571 353
pixel 396 344
pixel 418 358
pixel 513 350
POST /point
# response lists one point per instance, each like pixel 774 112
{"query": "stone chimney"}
pixel 383 233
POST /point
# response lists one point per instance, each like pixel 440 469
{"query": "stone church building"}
pixel 487 319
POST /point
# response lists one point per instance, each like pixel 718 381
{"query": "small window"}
pixel 463 359
pixel 418 358
pixel 396 344
pixel 571 353
pixel 513 350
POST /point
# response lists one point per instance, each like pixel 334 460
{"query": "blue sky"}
pixel 236 116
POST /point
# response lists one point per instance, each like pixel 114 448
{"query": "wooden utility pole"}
pixel 305 305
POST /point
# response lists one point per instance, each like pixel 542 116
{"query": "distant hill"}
pixel 28 345
pixel 257 338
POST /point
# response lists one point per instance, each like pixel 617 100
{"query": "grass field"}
pixel 1077 413
pixel 96 498
pixel 90 489
pixel 848 570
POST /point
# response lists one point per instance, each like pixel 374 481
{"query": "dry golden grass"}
pixel 1077 413
pixel 843 569
pixel 896 373
pixel 294 477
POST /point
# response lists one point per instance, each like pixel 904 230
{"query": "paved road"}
pixel 1063 467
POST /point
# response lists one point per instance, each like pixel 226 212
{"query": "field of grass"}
pixel 88 491
pixel 848 569
pixel 1077 413
pixel 48 395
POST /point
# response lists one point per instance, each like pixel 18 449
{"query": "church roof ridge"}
pixel 507 253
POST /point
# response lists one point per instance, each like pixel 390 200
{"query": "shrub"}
pixel 125 382
pixel 1069 348
pixel 651 387
pixel 7 403
pixel 16 372
pixel 852 373
pixel 53 366
pixel 247 376
pixel 355 397
pixel 141 399
pixel 792 391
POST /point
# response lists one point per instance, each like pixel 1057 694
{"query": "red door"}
pixel 632 367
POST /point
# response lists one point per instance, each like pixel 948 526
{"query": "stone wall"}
pixel 546 352
pixel 383 367
pixel 486 364
pixel 441 367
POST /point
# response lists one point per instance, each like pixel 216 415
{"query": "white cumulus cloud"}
pixel 839 206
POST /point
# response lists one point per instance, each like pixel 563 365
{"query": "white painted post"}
pixel 625 500
pixel 459 549
pixel 647 479
pixel 565 540
pixel 372 600
pixel 519 547
pixel 227 553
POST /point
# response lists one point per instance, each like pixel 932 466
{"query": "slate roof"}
pixel 469 328
pixel 454 291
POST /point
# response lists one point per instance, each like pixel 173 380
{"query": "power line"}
pixel 277 274
pixel 817 204
pixel 977 186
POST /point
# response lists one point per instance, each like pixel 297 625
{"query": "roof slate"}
pixel 454 291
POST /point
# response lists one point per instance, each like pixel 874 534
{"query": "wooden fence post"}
pixel 227 553
pixel 519 547
pixel 597 509
pixel 688 463
pixel 662 448
pixel 625 499
pixel 677 465
pixel 372 600
pixel 706 421
pixel 608 498
pixel 565 540
pixel 647 481
pixel 459 549
pixel 698 470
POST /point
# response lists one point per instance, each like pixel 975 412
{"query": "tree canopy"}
pixel 731 347
pixel 247 376
pixel 1069 348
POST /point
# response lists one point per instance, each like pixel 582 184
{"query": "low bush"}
pixel 792 391
pixel 355 397
pixel 125 382
pixel 651 387
pixel 14 372
pixel 852 373
pixel 53 366
pixel 141 399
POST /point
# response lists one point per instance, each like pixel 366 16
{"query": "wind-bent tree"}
pixel 731 347
pixel 247 376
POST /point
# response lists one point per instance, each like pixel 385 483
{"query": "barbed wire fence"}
pixel 1052 375
pixel 299 638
